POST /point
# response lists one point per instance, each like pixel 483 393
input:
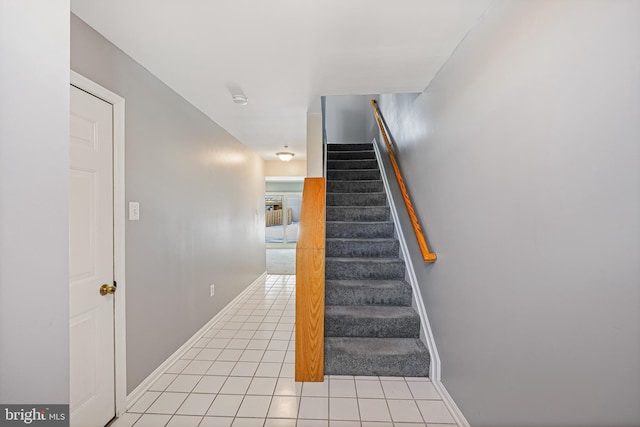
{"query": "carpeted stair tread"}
pixel 353 174
pixel 371 321
pixel 367 292
pixel 352 155
pixel 355 186
pixel 358 230
pixel 356 199
pixel 365 247
pixel 376 356
pixel 358 213
pixel 364 268
pixel 352 164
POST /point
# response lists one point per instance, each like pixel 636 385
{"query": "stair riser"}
pixel 362 199
pixel 350 147
pixel 363 270
pixel 351 155
pixel 347 326
pixel 353 174
pixel 355 187
pixel 410 365
pixel 350 248
pixel 359 230
pixel 351 164
pixel 343 295
pixel 380 213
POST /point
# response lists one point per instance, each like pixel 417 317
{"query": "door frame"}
pixel 120 354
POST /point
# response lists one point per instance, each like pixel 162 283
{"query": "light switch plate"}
pixel 134 211
pixel 212 290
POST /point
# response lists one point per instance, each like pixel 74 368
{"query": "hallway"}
pixel 241 374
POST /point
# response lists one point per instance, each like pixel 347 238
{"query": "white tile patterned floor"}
pixel 241 374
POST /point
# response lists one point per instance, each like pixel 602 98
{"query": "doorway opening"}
pixel 283 200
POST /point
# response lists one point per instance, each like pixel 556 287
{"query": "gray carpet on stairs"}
pixel 358 213
pixel 361 247
pixel 399 357
pixel 370 326
pixel 367 292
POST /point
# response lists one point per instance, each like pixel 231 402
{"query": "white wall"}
pixel 315 149
pixel 34 247
pixel 201 195
pixel 523 158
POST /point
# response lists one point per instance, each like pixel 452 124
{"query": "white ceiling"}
pixel 283 54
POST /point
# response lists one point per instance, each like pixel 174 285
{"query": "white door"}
pixel 92 400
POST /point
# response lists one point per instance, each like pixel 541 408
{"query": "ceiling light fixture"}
pixel 240 99
pixel 285 156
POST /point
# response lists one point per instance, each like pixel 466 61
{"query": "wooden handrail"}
pixel 310 283
pixel 427 255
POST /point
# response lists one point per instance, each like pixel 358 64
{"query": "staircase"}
pixel 370 326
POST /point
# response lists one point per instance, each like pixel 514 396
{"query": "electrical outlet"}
pixel 134 211
pixel 212 290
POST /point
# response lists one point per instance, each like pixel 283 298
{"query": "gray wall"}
pixel 523 157
pixel 346 118
pixel 34 151
pixel 201 195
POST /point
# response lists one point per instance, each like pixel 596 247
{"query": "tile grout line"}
pixel 272 302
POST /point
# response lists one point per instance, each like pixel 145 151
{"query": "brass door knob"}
pixel 107 289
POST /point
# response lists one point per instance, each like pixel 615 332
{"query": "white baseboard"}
pixel 144 385
pixel 450 404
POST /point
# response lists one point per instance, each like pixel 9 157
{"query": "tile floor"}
pixel 241 374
